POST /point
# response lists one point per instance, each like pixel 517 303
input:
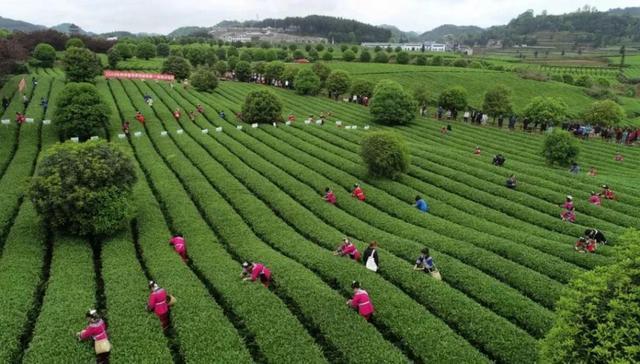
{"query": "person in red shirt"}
pixel 595 199
pixel 20 118
pixel 180 245
pixel 158 304
pixel 357 192
pixel 200 108
pixel 360 301
pixel 291 118
pixel 568 214
pixel 254 271
pixel 97 331
pixel 477 151
pixel 348 249
pixel 176 114
pixel 607 193
pixel 329 196
pixel 140 117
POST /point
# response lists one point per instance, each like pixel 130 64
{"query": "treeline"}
pixel 339 29
pixel 592 28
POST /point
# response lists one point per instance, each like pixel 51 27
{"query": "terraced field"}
pixel 254 194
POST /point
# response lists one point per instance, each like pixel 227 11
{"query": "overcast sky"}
pixel 162 16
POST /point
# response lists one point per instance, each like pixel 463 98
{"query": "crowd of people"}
pixel 619 135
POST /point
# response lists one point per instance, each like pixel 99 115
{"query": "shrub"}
pixel 259 67
pixel 80 111
pixel 385 155
pixel 604 112
pixel 403 57
pixel 365 56
pixel 327 56
pixel 343 47
pixel 274 70
pixel 74 42
pixel 453 98
pixel 436 61
pixel 362 87
pixel 84 189
pixel 584 81
pixel 113 57
pixel 124 50
pixel 163 50
pixel 313 55
pixel 261 107
pixel 322 70
pixel 497 101
pixel 421 95
pixel 146 50
pixel 567 78
pixel 381 57
pixel 243 71
pixel 603 82
pixel 204 79
pixel 391 104
pixel 298 54
pixel 556 77
pixel 599 317
pixel 177 66
pixel 81 65
pixel 307 82
pixel 45 54
pixel 338 83
pixel 421 60
pixel 290 73
pixel 545 109
pixel 460 63
pixel 348 55
pixel 560 147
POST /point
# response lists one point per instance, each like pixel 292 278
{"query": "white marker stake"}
pixel 94 138
pixel 354 127
pixel 275 125
pixel 204 131
pixel 239 127
pixel 75 139
pixel 163 133
pixel 46 122
pixel 219 129
pixel 29 120
pixel 366 127
pixel 348 127
pixel 121 136
pixel 338 123
pixel 288 123
pixel 254 125
pixel 318 122
pixel 6 122
pixel 180 131
pixel 137 134
pixel 307 122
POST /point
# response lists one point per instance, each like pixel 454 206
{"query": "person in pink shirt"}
pixel 329 196
pixel 568 214
pixel 595 199
pixel 158 303
pixel 361 301
pixel 254 271
pixel 348 249
pixel 180 245
pixel 358 192
pixel 97 331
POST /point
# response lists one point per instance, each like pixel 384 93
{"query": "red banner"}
pixel 138 75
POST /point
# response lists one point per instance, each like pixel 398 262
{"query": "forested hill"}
pixel 338 29
pixel 585 27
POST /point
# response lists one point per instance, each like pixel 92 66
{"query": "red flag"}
pixel 22 85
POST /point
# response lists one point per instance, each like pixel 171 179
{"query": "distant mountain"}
pixel 400 36
pixel 69 28
pixel 625 11
pixel 19 25
pixel 449 30
pixel 187 31
pixel 117 33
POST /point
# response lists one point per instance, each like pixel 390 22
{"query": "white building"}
pixel 410 47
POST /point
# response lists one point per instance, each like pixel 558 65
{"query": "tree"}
pixel 221 68
pixel 81 65
pixel 343 47
pixel 204 79
pixel 560 147
pixel 290 74
pixel 298 54
pixel 84 188
pixel 605 112
pixel 322 70
pixel 365 56
pixel 261 107
pixel 403 57
pixel 259 67
pixel 274 70
pixel 327 56
pixel 146 50
pixel 385 155
pixel 221 53
pixel 391 104
pixel 313 55
pixel 243 71
pixel 421 95
pixel 623 53
pixel 453 98
pixel 319 47
pixel 163 50
pixel 74 42
pixel 12 55
pixel 497 101
pixel 307 82
pixel 232 51
pixel 361 87
pixel 545 110
pixel 381 57
pixel 113 57
pixel 348 55
pixel 124 50
pixel 436 61
pixel 598 312
pixel 45 55
pixel 80 112
pixel 338 83
pixel 177 66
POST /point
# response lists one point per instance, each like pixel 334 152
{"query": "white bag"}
pixel 371 262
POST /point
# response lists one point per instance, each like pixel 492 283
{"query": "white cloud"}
pixel 165 15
